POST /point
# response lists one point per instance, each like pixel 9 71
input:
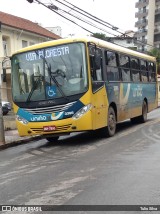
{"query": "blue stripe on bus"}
pixel 130 93
pixel 50 117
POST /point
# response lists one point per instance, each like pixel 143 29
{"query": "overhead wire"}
pixel 87 22
pixel 88 15
pixel 112 26
pixel 54 8
pixel 64 16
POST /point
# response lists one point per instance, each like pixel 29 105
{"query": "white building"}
pixel 57 30
pixel 127 40
pixel 148 24
pixel 16 33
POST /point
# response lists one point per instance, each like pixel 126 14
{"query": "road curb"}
pixel 19 142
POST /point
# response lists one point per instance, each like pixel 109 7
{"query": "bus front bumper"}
pixel 59 127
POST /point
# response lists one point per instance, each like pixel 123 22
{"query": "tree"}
pixel 156 53
pixel 100 36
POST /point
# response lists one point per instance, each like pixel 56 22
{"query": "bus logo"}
pixel 38 118
pixel 56 116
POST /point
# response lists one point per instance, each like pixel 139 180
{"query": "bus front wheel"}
pixel 111 127
pixel 52 139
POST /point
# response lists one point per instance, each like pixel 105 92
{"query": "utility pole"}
pixel 2 135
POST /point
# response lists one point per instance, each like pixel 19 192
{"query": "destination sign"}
pixel 47 53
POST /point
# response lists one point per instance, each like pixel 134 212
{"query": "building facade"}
pixel 57 30
pixel 16 33
pixel 148 24
pixel 127 40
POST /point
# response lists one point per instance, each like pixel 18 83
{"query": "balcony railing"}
pixel 141 3
pixel 141 23
pixel 141 33
pixel 141 14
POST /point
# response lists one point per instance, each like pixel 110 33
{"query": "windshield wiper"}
pixel 53 76
pixel 36 83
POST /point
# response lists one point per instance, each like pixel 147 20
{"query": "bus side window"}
pixel 135 69
pixel 125 67
pixel 144 71
pixel 112 69
pixel 96 73
pixel 152 71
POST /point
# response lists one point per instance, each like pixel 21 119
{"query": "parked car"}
pixel 7 104
pixel 5 110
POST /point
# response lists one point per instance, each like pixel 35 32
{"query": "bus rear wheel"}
pixel 143 117
pixel 52 139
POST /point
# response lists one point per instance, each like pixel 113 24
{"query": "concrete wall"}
pixel 151 21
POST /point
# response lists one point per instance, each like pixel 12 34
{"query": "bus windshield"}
pixel 49 73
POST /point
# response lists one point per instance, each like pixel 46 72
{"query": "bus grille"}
pixel 49 110
pixel 58 129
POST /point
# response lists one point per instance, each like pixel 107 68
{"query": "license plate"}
pixel 49 128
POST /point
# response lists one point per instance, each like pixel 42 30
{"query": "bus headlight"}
pixel 21 119
pixel 82 111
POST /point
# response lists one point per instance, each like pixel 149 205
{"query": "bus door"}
pixel 99 97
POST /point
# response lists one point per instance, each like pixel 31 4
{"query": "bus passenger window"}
pixel 152 72
pixel 96 73
pixel 112 69
pixel 135 69
pixel 144 72
pixel 125 68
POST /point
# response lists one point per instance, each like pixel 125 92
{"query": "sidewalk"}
pixel 12 138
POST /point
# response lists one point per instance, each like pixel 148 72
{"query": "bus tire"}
pixel 111 121
pixel 143 117
pixel 52 139
pixel 108 131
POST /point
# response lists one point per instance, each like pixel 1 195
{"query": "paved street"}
pixel 84 169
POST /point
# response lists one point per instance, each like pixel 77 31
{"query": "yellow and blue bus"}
pixel 80 84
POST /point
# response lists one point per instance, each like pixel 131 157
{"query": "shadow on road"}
pixel 90 137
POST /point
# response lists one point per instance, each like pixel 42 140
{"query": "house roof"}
pixel 24 24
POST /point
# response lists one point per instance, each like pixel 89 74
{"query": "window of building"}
pixel 24 43
pixel 6 45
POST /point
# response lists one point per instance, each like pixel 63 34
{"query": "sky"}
pixel 120 13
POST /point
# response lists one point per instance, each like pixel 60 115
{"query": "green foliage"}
pixel 156 53
pixel 100 36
